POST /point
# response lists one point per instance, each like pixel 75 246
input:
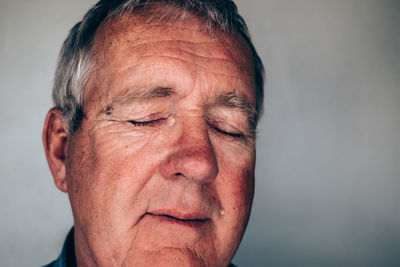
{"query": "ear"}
pixel 55 139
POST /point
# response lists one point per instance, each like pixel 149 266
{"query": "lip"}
pixel 183 217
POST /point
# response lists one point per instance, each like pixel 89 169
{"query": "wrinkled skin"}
pixel 159 173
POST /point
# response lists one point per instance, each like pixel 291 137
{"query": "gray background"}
pixel 328 161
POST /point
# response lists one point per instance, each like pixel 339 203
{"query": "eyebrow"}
pixel 137 94
pixel 142 94
pixel 231 99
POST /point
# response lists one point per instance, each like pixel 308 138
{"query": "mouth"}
pixel 193 220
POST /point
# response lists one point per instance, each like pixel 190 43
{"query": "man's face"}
pixel 161 171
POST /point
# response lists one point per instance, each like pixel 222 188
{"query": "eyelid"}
pixel 221 128
pixel 150 119
pixel 154 119
pixel 147 122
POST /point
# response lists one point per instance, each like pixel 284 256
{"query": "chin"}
pixel 172 256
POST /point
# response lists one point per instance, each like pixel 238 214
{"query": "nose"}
pixel 192 156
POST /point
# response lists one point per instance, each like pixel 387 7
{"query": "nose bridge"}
pixel 192 155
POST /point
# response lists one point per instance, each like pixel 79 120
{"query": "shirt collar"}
pixel 67 256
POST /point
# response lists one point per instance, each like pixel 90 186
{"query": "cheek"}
pixel 108 179
pixel 236 177
pixel 236 190
pixel 108 169
pixel 123 163
pixel 119 162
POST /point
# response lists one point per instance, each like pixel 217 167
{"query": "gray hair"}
pixel 75 61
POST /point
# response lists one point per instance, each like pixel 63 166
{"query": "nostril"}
pixel 192 160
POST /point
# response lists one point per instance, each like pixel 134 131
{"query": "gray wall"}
pixel 328 166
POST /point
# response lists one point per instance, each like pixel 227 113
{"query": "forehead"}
pixel 136 29
pixel 126 42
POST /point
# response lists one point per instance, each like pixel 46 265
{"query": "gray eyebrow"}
pixel 141 94
pixel 138 94
pixel 231 99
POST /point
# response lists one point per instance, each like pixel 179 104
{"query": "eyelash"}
pixel 225 133
pixel 147 123
pixel 215 129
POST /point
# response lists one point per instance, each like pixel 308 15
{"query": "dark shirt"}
pixel 67 257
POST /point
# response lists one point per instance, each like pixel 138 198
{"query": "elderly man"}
pixel 153 133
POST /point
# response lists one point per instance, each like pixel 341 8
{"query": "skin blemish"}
pixel 108 110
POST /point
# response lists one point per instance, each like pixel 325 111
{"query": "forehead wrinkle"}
pixel 143 21
pixel 142 33
pixel 181 47
pixel 225 71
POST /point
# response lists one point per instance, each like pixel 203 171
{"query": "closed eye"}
pixel 231 134
pixel 147 123
pixel 234 135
